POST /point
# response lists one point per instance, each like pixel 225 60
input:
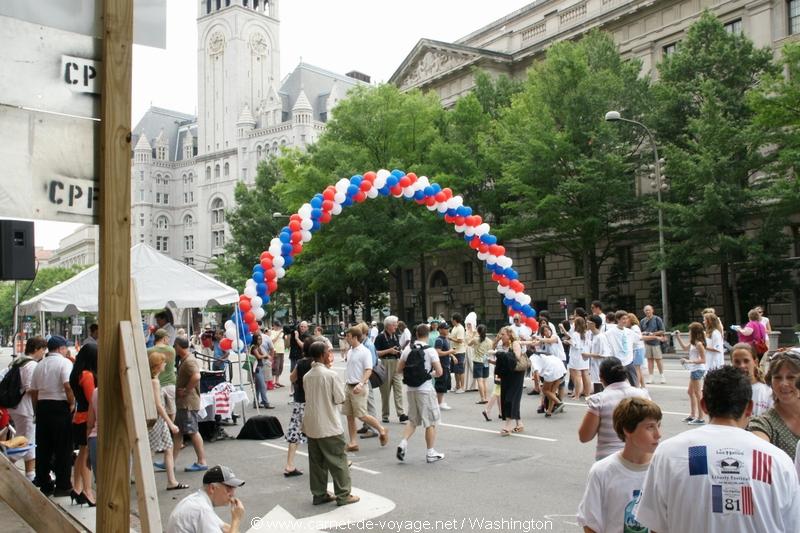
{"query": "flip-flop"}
pixel 486 416
pixel 505 433
pixel 179 486
pixel 292 473
pixel 518 429
pixel 159 466
pixel 194 467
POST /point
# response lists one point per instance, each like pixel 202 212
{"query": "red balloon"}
pixel 448 193
pixel 296 217
pixel 483 248
pixel 459 221
pixel 226 343
pixel 533 324
pixel 245 305
pixel 327 205
pixel 515 285
pixel 329 194
pixel 325 217
pixel 360 196
pixel 294 225
pixel 474 243
pixel 269 274
pixel 494 249
pixel 449 219
pixel 272 285
pixel 370 176
pixel 297 248
pixel 405 181
pixel 440 197
pixel 366 185
pixel 411 176
pixel 266 263
pixel 252 326
pixel 265 255
pixel 397 190
pixel 249 317
pixel 495 276
pixel 477 220
pixel 504 281
pixel 430 200
pixel 296 237
pixel 501 250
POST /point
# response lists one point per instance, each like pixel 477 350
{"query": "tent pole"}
pixel 239 356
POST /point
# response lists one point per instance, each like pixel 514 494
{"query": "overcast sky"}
pixel 371 36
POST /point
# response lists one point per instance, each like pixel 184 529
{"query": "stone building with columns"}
pixel 645 29
pixel 184 168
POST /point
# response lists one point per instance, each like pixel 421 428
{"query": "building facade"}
pixel 184 169
pixel 645 29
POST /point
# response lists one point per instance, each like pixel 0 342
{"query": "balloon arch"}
pixel 324 206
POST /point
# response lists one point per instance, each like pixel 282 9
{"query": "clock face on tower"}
pixel 216 43
pixel 258 43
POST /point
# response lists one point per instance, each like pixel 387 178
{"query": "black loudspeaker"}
pixel 17 258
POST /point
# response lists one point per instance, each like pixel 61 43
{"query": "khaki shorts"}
pixel 652 351
pixel 423 408
pixel 168 397
pixel 355 405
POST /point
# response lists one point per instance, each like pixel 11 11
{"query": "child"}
pixel 696 365
pixel 615 483
pixel 745 359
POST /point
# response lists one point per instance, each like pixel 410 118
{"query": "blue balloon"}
pixel 258 277
pixel 352 190
pixel 261 289
pixel 436 188
pixel 510 273
pixel 265 299
pixel 287 261
pixel 419 195
pixel 528 310
pixel 391 181
pixel 286 249
pixel 491 239
pixel 248 338
pixel 489 267
pixel 316 225
pixel 467 238
pixel 316 213
pixel 398 173
pixel 286 229
pixel 316 202
pixel 507 301
pixel 356 180
pixel 258 268
pixel 384 191
pixel 285 237
pixel 428 191
pixel 451 212
pixel 461 211
pixel 516 306
pixel 348 201
pixel 485 238
pixel 467 211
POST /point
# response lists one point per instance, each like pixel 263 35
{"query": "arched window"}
pixel 162 223
pixel 227 170
pixel 208 173
pixel 216 171
pixel 188 221
pixel 258 152
pixel 217 211
pixel 439 279
pixel 275 147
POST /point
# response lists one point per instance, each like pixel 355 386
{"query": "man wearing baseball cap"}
pixel 195 513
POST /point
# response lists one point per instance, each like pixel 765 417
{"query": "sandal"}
pixel 486 416
pixel 518 429
pixel 196 467
pixel 179 486
pixel 505 433
pixel 352 448
pixel 292 473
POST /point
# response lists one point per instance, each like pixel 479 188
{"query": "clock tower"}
pixel 238 65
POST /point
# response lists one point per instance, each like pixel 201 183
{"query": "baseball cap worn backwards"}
pixel 222 474
pixel 55 342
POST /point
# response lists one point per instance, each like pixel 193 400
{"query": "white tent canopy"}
pixel 160 282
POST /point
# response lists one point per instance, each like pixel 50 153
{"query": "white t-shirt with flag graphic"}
pixel 719 479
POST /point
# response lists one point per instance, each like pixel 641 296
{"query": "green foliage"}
pixel 564 178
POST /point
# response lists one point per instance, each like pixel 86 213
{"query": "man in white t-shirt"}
pixel 615 483
pixel 22 414
pixel 195 513
pixel 598 351
pixel 620 339
pixel 423 407
pixel 359 368
pixel 720 478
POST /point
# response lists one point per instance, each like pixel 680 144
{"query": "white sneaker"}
pixel 458 391
pixel 663 379
pixel 434 456
pixel 649 380
pixel 444 407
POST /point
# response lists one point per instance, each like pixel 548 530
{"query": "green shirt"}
pixel 167 376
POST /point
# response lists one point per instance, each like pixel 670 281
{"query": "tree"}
pixel 712 160
pixel 570 189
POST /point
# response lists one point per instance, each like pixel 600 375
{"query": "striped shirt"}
pixel 602 405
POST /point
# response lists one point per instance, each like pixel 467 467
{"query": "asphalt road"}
pixel 526 482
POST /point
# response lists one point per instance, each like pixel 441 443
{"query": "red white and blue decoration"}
pixel 324 206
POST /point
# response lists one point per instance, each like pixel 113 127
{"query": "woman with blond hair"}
pixel 580 342
pixel 780 425
pixel 509 352
pixel 638 348
pixel 744 357
pixel 714 343
pixel 160 435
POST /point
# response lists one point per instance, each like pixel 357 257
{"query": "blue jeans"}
pixel 261 386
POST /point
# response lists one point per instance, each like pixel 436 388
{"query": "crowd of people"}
pixel 735 473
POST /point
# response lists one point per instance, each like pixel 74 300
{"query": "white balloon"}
pixel 482 229
pixel 230 333
pixel 408 192
pixel 306 224
pixel 460 229
pixel 339 197
pixel 504 261
pixel 250 291
pixel 491 259
pixel 342 185
pixel 275 242
pixel 279 272
pixel 383 174
pixel 482 256
pixel 306 236
pixel 240 345
pixel 469 231
pixel 276 253
pixel 526 299
pixel 501 289
pixel 278 261
pixel 336 209
pixel 259 313
pixel 256 302
pixel 423 182
pixel 304 211
pixel 380 182
pixel 250 283
pixel 372 193
pixel 520 297
pixel 451 203
pixel 229 325
pixel 458 201
pixel 442 207
pixel 431 207
pixel 511 293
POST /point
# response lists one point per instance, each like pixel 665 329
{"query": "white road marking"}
pixel 353 467
pixel 521 435
pixel 664 412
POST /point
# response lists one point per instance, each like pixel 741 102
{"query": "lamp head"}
pixel 613 116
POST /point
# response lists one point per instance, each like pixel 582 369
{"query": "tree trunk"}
pixel 735 293
pixel 728 312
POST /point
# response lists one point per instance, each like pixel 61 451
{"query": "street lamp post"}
pixel 614 116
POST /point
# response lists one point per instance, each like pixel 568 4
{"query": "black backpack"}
pixel 11 387
pixel 414 373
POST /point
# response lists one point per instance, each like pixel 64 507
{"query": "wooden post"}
pixel 113 494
